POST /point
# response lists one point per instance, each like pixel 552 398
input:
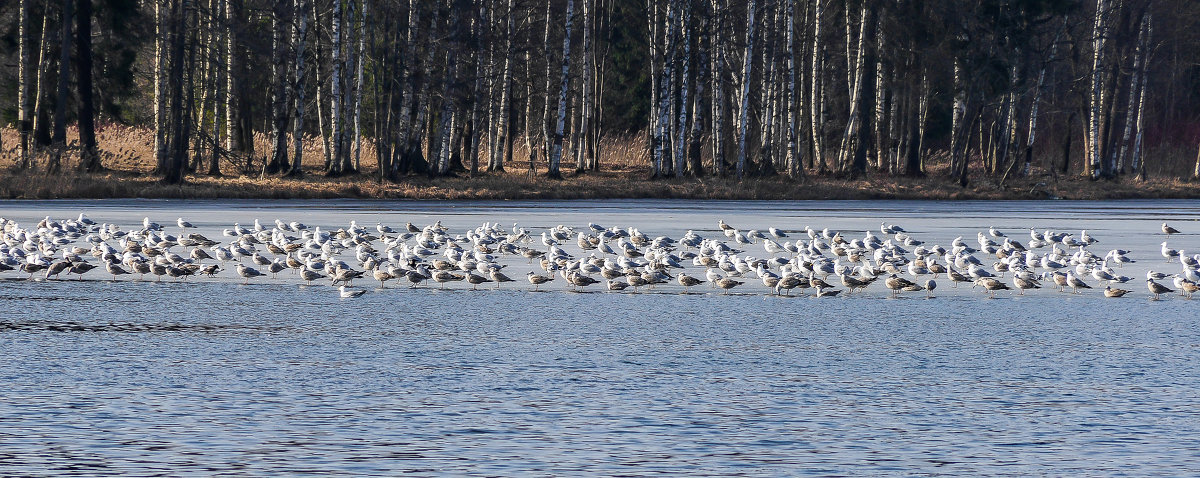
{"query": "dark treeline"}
pixel 762 87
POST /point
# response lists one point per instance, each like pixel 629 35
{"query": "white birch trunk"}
pixel 1139 163
pixel 663 109
pixel 335 118
pixel 585 104
pixel 718 87
pixel 298 86
pixel 817 100
pixel 745 97
pixel 358 83
pixel 556 153
pixel 230 80
pixel 1096 106
pixel 684 79
pixel 496 162
pixel 278 87
pixel 655 121
pixel 547 139
pixel 792 159
pixel 856 87
pixel 1131 114
pixel 23 85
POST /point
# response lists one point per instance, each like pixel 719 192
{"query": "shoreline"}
pixel 627 184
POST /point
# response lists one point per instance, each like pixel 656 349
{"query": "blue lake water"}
pixel 211 376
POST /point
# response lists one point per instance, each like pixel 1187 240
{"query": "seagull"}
pixel 727 283
pixel 1168 230
pixel 991 284
pixel 687 281
pixel 211 270
pixel 1188 287
pixel 827 292
pixel 114 269
pixel 1168 252
pixel 1156 288
pixel 57 268
pixel 580 280
pixel 1076 283
pixel 1110 292
pixel 896 283
pixel 247 273
pixel 929 286
pixel 442 277
pixel 498 277
pixel 537 280
pixel 184 224
pixel 382 276
pixel 1024 283
pixel 350 293
pixel 616 285
pixel 476 279
pixel 995 233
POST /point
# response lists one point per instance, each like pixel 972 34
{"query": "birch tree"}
pixel 299 36
pixel 23 124
pixel 744 99
pixel 556 152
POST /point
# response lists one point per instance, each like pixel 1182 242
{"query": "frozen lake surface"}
pixel 210 376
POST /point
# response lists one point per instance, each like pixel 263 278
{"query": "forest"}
pixel 391 90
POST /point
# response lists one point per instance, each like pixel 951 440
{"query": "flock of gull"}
pixel 822 263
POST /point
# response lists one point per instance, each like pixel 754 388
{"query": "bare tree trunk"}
pixel 204 34
pixel 585 100
pixel 301 30
pixel 479 91
pixel 882 97
pixel 500 138
pixel 792 158
pixel 549 52
pixel 233 140
pixel 408 98
pixel 1134 87
pixel 718 98
pixel 556 153
pixel 1139 163
pixel 745 96
pixel 177 141
pixel 319 99
pixel 160 107
pixel 335 122
pixel 695 136
pixel 959 130
pixel 662 112
pixel 529 149
pixel 686 60
pixel 358 82
pixel 654 130
pixel 59 138
pixel 1097 100
pixel 41 134
pixel 23 123
pixel 817 110
pixel 916 154
pixel 88 155
pixel 853 122
pixel 279 155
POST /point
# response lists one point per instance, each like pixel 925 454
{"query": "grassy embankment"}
pixel 127 153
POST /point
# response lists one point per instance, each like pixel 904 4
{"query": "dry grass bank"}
pixel 127 153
